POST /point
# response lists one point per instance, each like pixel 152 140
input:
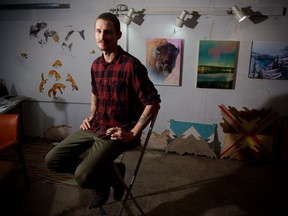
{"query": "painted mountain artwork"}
pixel 269 60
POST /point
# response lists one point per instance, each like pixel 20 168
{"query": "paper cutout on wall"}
pixel 71 80
pixel 43 82
pixel 55 74
pixel 56 87
pixel 36 31
pixel 57 64
pixel 53 80
pixel 24 55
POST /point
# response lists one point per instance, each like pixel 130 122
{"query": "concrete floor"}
pixel 171 185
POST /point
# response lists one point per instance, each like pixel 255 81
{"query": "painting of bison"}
pixel 163 60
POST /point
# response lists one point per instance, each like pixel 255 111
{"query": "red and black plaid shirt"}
pixel 123 89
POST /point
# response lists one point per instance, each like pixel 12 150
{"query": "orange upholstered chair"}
pixel 11 154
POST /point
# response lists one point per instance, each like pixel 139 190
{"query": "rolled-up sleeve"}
pixel 144 87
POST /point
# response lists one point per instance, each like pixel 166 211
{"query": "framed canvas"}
pixel 163 60
pixel 217 64
pixel 269 60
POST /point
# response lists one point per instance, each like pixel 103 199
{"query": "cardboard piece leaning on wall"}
pixel 156 141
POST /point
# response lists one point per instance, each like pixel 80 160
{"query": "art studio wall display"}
pixel 163 60
pixel 55 53
pixel 269 60
pixel 217 64
pixel 43 35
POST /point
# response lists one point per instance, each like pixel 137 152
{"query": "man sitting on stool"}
pixel 123 101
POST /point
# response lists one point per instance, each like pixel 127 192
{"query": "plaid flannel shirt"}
pixel 122 88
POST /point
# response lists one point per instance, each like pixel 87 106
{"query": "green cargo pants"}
pixel 86 156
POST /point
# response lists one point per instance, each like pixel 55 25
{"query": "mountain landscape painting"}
pixel 269 60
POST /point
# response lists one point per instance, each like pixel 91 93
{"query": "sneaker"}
pixel 98 201
pixel 117 185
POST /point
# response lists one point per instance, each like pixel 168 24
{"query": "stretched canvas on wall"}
pixel 163 60
pixel 217 64
pixel 269 60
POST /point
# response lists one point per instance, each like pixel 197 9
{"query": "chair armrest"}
pixel 5 148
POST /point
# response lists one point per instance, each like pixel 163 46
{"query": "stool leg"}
pixel 128 192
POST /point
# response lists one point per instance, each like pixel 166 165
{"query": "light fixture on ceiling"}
pixel 240 16
pixel 127 18
pixel 180 20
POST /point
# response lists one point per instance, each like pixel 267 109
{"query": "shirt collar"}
pixel 117 57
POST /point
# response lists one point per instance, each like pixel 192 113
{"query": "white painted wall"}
pixel 185 102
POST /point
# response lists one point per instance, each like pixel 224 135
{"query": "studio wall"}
pixel 183 102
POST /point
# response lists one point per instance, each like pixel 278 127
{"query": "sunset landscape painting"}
pixel 217 64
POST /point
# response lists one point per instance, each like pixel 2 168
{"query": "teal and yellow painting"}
pixel 217 64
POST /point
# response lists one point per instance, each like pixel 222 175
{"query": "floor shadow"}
pixel 254 189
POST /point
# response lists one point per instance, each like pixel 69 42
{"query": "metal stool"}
pixel 128 186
